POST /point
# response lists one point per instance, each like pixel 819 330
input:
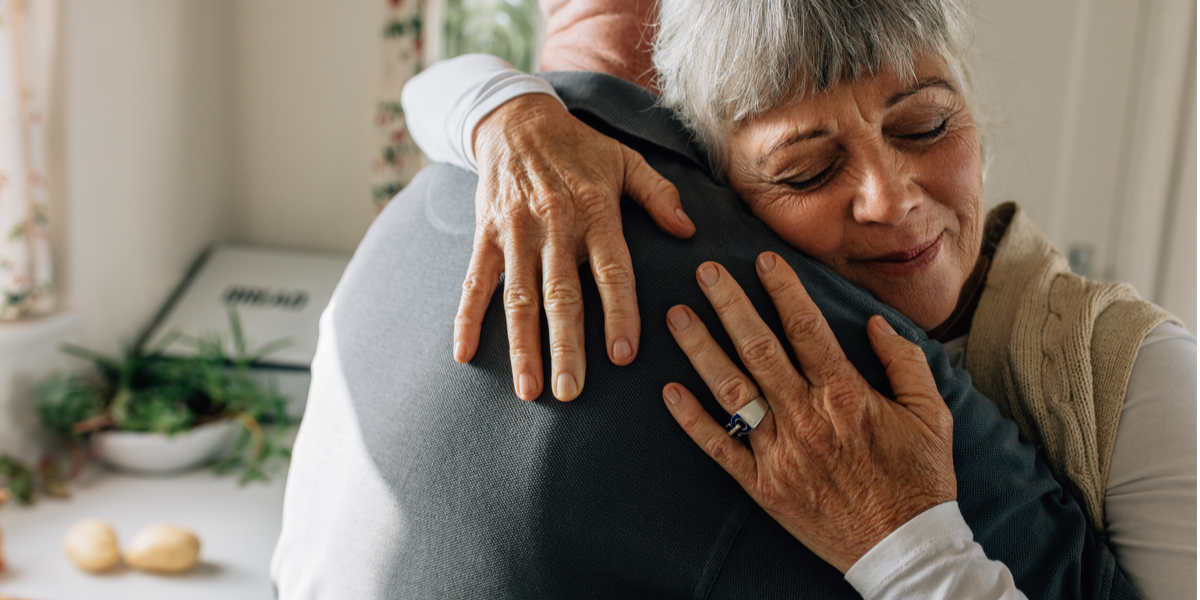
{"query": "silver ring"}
pixel 748 417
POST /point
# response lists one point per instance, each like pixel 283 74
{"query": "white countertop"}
pixel 237 527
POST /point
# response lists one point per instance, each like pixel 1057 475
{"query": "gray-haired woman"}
pixel 848 129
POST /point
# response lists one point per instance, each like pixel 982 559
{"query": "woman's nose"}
pixel 887 195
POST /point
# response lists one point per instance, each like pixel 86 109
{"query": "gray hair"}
pixel 722 61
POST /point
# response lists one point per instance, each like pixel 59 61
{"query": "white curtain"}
pixel 27 31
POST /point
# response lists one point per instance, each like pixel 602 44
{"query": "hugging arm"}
pixel 548 200
pixel 865 482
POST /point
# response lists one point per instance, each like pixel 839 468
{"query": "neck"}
pixel 607 36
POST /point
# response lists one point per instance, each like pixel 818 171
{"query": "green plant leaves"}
pixel 150 392
pixel 18 478
pixel 64 401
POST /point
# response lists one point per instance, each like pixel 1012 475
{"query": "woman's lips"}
pixel 906 262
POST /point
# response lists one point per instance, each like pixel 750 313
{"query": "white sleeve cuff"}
pixel 443 104
pixel 933 555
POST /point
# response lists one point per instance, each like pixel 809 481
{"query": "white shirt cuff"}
pixel 444 103
pixel 933 555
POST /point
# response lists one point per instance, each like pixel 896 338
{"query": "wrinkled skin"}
pixel 544 206
pixel 836 463
pixel 878 178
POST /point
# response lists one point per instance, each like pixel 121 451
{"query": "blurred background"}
pixel 165 126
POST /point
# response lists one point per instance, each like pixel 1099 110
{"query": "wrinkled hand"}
pixel 548 199
pixel 839 465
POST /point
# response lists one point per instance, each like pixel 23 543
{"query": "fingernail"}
pixel 679 319
pixel 526 386
pixel 672 395
pixel 682 216
pixel 458 351
pixel 708 275
pixel 885 327
pixel 567 388
pixel 766 262
pixel 622 350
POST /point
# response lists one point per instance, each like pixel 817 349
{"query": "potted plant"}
pixel 150 413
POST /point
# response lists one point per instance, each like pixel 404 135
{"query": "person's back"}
pixel 417 477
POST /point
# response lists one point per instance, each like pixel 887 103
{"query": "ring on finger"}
pixel 747 417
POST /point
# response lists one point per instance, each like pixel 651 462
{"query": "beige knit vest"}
pixel 1054 351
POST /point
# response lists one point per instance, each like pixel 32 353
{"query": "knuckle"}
pixel 841 396
pixel 561 293
pixel 804 325
pixel 510 214
pixel 550 207
pixel 463 321
pixel 666 189
pixel 715 448
pixel 689 421
pixel 614 275
pixel 592 201
pixel 724 303
pixel 522 355
pixel 519 298
pixel 476 284
pixel 760 348
pixel 733 391
pixel 563 351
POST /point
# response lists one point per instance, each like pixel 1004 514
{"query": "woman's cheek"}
pixel 804 227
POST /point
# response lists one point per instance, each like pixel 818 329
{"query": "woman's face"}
pixel 879 178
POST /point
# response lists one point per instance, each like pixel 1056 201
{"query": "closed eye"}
pixel 816 181
pixel 930 134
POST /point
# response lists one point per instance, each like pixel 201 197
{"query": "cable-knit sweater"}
pixel 1054 351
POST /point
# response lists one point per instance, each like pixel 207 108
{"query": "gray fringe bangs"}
pixel 721 61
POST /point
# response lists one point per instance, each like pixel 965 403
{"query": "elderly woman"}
pixel 848 131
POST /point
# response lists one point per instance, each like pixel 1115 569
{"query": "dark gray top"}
pixel 416 477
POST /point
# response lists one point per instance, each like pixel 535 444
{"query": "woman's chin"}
pixel 926 293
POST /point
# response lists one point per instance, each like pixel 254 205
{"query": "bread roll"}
pixel 92 546
pixel 163 549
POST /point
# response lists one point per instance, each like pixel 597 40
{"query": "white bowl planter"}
pixel 158 454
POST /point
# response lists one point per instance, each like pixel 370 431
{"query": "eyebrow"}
pixel 795 138
pixel 921 85
pixel 802 136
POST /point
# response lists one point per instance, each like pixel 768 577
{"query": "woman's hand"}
pixel 548 199
pixel 836 463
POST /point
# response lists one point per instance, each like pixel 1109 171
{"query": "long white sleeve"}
pixel 1150 500
pixel 443 104
pixel 934 555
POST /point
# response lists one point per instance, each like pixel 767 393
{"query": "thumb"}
pixel 655 194
pixel 909 374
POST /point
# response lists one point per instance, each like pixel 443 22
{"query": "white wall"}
pixel 148 163
pixel 141 167
pixel 1086 99
pixel 305 75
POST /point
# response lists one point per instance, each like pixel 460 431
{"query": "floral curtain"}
pixel 27 30
pixel 509 29
pixel 398 158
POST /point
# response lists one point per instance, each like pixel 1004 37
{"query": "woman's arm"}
pixel 932 556
pixel 445 103
pixel 1150 499
pixel 548 200
pixel 865 482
